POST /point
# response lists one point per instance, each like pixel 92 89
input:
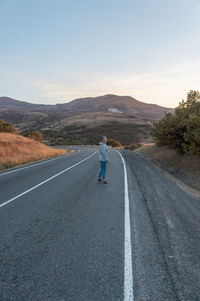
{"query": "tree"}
pixel 181 130
pixel 192 135
pixel 169 131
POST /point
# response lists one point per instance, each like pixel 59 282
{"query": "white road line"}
pixel 32 165
pixel 128 272
pixel 47 180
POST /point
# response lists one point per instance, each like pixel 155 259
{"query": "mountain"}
pixel 84 120
pixel 107 103
pixel 116 104
pixel 10 103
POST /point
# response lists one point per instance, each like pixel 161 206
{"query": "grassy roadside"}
pixel 16 150
pixel 184 169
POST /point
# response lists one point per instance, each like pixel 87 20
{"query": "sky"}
pixel 53 51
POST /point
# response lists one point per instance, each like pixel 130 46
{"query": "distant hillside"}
pixel 16 150
pixel 10 103
pixel 107 103
pixel 116 104
pixel 86 119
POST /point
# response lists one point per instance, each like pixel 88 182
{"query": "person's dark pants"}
pixel 103 170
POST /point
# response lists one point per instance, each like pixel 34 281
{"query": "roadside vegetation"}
pixel 7 127
pixel 16 149
pixel 133 146
pixel 181 130
pixel 177 141
pixel 113 143
pixel 185 167
pixel 36 135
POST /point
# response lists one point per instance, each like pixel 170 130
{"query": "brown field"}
pixel 16 150
pixel 185 167
pixel 87 128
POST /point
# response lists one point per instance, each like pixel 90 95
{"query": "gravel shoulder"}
pixel 166 236
pixel 187 181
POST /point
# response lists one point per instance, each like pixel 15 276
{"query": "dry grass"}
pixel 186 167
pixel 92 120
pixel 187 163
pixel 16 150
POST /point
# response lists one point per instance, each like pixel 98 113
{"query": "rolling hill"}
pixel 13 104
pixel 116 104
pixel 107 103
pixel 83 120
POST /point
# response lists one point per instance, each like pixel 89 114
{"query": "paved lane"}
pixel 64 240
pixel 17 180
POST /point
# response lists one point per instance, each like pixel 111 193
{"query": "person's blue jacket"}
pixel 103 152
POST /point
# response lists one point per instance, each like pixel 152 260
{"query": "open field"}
pixel 75 128
pixel 16 150
pixel 87 128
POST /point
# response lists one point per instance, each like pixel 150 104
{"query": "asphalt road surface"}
pixel 63 237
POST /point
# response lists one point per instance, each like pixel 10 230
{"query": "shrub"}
pixel 8 127
pixel 36 135
pixel 133 146
pixel 113 143
pixel 181 130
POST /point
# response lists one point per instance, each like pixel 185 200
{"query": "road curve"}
pixel 62 234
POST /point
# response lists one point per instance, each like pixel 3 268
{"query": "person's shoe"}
pixel 105 182
pixel 100 180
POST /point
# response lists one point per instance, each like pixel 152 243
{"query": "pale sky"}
pixel 53 51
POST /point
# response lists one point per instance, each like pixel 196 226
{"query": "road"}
pixel 63 237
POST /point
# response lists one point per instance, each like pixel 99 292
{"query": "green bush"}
pixel 181 130
pixel 132 146
pixel 36 135
pixel 113 143
pixel 7 127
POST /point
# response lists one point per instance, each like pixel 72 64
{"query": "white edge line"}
pixel 47 180
pixel 31 165
pixel 128 270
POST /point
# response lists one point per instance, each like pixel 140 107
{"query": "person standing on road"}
pixel 103 157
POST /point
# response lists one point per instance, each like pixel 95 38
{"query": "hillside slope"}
pixel 10 103
pixel 16 149
pixel 116 104
pixel 107 103
pixel 87 128
pixel 85 120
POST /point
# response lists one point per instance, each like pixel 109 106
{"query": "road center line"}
pixel 128 273
pixel 47 180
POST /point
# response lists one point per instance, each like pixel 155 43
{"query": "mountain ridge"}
pixel 105 103
pixel 85 120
